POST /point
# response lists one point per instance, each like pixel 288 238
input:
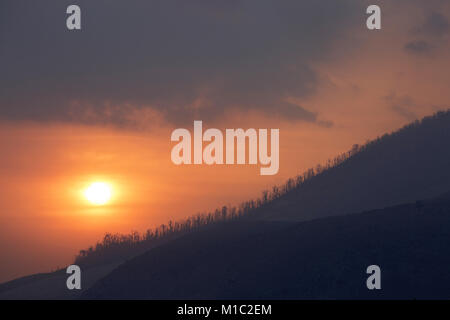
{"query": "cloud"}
pixel 181 59
pixel 436 24
pixel 433 31
pixel 419 47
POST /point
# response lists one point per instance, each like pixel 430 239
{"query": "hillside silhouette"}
pixel 409 164
pixel 320 259
pixel 304 239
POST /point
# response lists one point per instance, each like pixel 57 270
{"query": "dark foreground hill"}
pixel 320 259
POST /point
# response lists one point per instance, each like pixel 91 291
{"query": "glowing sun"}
pixel 98 193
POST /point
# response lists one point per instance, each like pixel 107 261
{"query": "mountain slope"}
pixel 325 258
pixel 409 164
pixel 412 163
pixel 52 285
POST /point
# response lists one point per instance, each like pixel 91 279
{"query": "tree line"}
pixel 124 246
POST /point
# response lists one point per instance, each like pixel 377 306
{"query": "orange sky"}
pixel 44 167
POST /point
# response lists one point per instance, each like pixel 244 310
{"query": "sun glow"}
pixel 98 193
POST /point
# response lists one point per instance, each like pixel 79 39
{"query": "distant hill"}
pixel 321 259
pixel 52 285
pixel 411 163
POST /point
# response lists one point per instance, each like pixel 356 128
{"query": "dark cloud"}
pixel 418 47
pixel 432 30
pixel 436 24
pixel 184 59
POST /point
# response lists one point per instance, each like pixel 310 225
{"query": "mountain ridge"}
pixel 389 172
pixel 406 165
pixel 324 258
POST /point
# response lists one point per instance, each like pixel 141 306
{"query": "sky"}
pixel 100 103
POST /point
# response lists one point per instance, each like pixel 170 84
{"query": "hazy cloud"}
pixel 174 59
pixel 419 47
pixel 182 59
pixel 436 24
pixel 433 29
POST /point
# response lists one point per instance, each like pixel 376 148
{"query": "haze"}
pixel 100 105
